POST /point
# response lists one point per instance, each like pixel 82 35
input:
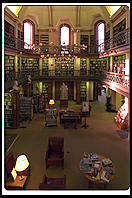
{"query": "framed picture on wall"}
pixel 85 106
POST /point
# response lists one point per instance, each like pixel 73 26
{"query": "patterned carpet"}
pixel 9 139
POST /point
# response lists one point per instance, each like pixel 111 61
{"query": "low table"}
pixel 98 183
pixel 67 118
pixel 17 184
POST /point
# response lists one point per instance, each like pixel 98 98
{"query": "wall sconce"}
pixel 21 164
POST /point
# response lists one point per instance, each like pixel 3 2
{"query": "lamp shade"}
pixel 51 102
pixel 21 163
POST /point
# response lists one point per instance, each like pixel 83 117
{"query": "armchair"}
pixel 49 183
pixel 55 152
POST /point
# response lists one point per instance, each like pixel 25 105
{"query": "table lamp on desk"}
pixel 51 103
pixel 21 164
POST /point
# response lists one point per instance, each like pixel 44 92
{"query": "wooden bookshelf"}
pixel 45 90
pixel 83 66
pixel 107 40
pixel 8 110
pixel 39 103
pixel 84 40
pixel 44 39
pixel 98 64
pixel 51 117
pixel 30 63
pixel 11 107
pixel 9 62
pixel 119 64
pixel 26 108
pixel 64 66
pixel 92 43
pixel 45 66
pixel 119 27
pixel 10 29
pixel 83 89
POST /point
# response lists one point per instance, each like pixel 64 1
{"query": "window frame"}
pixel 96 32
pixel 67 25
pixel 33 31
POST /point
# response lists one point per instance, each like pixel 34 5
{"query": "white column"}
pixel 20 64
pixel 75 90
pixel 89 90
pixel 88 65
pixel 16 66
pixel 53 89
pixel 111 63
pixel 40 66
pixel 77 66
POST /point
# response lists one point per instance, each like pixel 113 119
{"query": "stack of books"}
pixel 106 162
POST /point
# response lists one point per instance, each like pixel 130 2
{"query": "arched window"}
pixel 100 34
pixel 28 34
pixel 64 34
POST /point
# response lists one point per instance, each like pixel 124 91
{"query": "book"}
pixel 107 161
pixel 103 176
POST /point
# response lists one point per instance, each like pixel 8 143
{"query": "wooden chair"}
pixel 49 183
pixel 55 152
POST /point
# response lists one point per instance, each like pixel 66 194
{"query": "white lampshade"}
pixel 21 163
pixel 51 102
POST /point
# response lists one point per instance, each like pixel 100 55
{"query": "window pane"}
pixel 28 35
pixel 64 35
pixel 100 31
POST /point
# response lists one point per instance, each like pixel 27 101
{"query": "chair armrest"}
pixel 47 154
pixel 44 179
pixel 64 180
pixel 62 149
pixel 43 186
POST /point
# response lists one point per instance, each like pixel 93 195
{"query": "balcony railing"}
pixel 54 74
pixel 119 40
pixel 117 79
pixel 15 43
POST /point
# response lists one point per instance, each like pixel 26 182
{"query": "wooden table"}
pixel 100 183
pixel 17 184
pixel 70 118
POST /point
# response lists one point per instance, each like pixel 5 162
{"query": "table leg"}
pixel 75 124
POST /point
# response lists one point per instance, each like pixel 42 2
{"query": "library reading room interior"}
pixel 66 97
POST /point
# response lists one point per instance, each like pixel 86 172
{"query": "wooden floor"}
pixel 101 136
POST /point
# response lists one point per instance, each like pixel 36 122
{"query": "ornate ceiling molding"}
pixel 50 16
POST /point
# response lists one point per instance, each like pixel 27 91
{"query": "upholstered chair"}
pixel 55 152
pixel 49 183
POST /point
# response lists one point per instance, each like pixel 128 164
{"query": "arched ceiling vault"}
pixel 48 16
